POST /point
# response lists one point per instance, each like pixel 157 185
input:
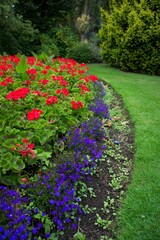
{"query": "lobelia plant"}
pixel 41 98
pixel 51 198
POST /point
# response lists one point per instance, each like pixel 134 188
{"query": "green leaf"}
pixel 79 236
pixel 17 164
pixel 44 155
pixel 22 66
pixel 47 228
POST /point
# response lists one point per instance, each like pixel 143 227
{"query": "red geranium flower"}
pixel 36 92
pixel 58 91
pixel 83 88
pixel 43 81
pixel 34 114
pixel 93 78
pixel 76 105
pixel 32 71
pixel 65 91
pixel 31 61
pixel 19 93
pixel 51 99
pixel 64 83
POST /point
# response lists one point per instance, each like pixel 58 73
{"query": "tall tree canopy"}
pixel 44 14
pixel 26 26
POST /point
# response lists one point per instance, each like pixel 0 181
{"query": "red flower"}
pixel 65 91
pixel 24 140
pixel 32 71
pixel 64 83
pixel 58 78
pixel 58 91
pixel 31 60
pixel 36 92
pixel 45 71
pixel 7 80
pixel 93 78
pixel 83 88
pixel 44 95
pixel 76 105
pixel 81 71
pixel 19 93
pixel 31 145
pixel 27 82
pixel 80 104
pixel 52 99
pixel 43 81
pixel 34 114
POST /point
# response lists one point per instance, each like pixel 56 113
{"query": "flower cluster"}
pixel 26 148
pixel 84 89
pixel 76 105
pixel 98 106
pixel 19 93
pixel 13 216
pixel 51 99
pixel 7 81
pixel 64 91
pixel 34 114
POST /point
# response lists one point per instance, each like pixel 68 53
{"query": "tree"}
pixel 16 34
pixel 43 14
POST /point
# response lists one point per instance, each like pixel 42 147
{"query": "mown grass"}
pixel 139 217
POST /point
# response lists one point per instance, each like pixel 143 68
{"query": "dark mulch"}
pixel 120 141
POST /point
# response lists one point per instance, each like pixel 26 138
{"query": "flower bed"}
pixel 51 140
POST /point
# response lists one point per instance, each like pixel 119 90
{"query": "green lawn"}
pixel 140 215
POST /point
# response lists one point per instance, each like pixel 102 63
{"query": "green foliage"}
pixel 65 38
pixel 49 46
pixel 16 34
pixel 130 37
pixel 79 236
pixel 81 52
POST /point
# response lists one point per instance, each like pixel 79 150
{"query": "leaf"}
pixel 79 236
pixel 22 66
pixel 47 228
pixel 44 155
pixel 17 164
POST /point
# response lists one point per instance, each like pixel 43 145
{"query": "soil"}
pixel 121 141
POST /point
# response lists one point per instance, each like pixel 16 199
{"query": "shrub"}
pixel 81 52
pixel 129 37
pixel 49 46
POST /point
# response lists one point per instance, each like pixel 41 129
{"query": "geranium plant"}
pixel 40 99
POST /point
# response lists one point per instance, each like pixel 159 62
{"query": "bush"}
pixel 129 38
pixel 49 46
pixel 81 52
